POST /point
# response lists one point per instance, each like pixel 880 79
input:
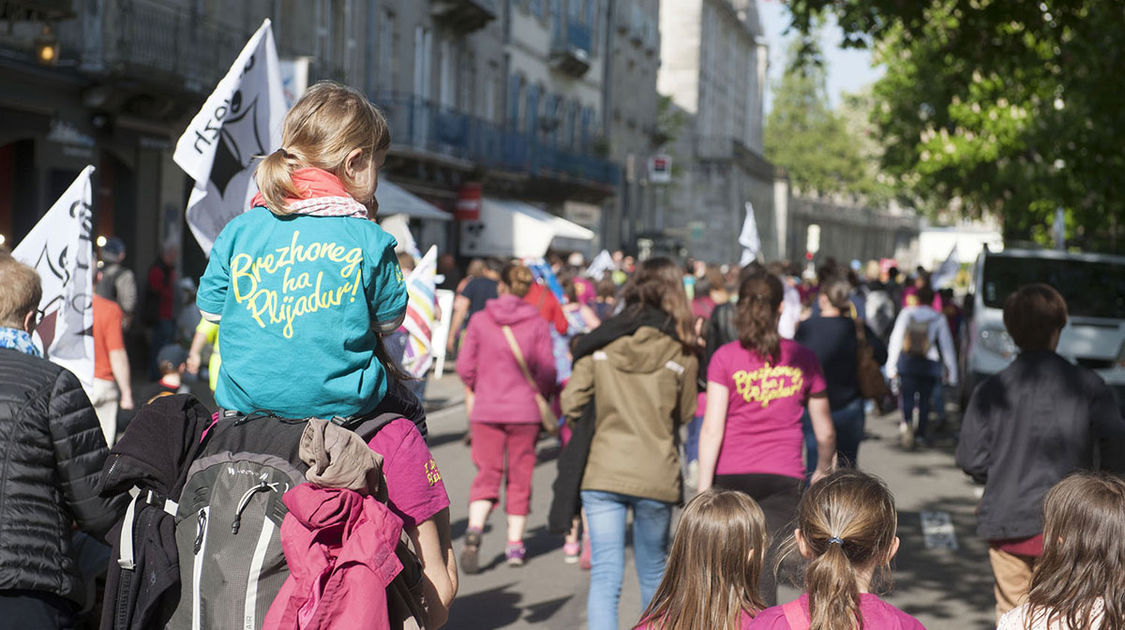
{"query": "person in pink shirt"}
pixel 846 525
pixel 711 580
pixel 505 418
pixel 757 389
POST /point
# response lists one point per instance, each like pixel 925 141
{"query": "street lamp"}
pixel 47 47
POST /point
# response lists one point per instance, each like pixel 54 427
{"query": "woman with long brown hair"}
pixel 1079 583
pixel 714 565
pixel 757 389
pixel 638 371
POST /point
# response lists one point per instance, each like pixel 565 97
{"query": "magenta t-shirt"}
pixel 763 429
pixel 415 491
pixel 875 612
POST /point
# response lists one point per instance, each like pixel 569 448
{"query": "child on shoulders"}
pixel 305 280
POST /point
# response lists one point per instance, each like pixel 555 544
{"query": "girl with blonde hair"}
pixel 846 526
pixel 306 273
pixel 711 579
pixel 1079 582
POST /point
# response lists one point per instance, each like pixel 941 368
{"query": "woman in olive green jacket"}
pixel 642 379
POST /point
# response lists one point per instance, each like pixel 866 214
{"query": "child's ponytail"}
pixel 847 523
pixel 833 594
pixel 275 180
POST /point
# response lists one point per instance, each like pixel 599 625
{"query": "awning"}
pixel 515 228
pixel 394 200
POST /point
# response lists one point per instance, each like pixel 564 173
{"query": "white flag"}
pixel 600 265
pixel 748 239
pixel 419 322
pixel 947 272
pixel 59 248
pixel 241 120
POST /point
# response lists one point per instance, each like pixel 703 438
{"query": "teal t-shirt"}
pixel 298 296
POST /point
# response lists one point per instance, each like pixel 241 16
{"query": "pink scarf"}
pixel 322 195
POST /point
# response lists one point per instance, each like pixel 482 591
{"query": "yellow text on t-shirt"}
pixel 769 383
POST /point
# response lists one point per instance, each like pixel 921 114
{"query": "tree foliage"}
pixel 1012 108
pixel 806 138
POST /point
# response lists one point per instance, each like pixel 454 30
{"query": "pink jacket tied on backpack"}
pixel 340 547
pixel 488 367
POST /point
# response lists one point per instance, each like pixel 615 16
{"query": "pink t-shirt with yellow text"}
pixel 766 400
pixel 415 490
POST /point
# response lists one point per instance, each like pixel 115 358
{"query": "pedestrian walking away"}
pixel 1025 428
pixel 638 370
pixel 757 389
pixel 505 419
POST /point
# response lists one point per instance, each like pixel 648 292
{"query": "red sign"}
pixel 469 202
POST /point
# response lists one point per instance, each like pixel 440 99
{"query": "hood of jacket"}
pixel 158 448
pixel 508 310
pixel 643 352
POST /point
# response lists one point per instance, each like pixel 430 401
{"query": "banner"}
pixel 59 248
pixel 543 273
pixel 241 120
pixel 420 287
pixel 748 239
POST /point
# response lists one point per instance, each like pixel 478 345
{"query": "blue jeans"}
pixel 691 443
pixel 849 421
pixel 605 514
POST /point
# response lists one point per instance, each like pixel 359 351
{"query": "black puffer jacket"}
pixel 51 456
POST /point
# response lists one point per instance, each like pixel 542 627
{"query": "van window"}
pixel 1091 289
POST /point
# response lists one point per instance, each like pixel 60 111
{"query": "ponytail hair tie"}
pixel 285 154
pixel 837 540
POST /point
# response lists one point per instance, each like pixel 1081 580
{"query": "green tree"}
pixel 1010 107
pixel 805 137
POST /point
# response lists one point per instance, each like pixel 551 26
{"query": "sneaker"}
pixel 584 559
pixel 571 551
pixel 906 435
pixel 470 555
pixel 515 552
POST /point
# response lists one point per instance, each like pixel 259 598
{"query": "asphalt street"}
pixel 941 574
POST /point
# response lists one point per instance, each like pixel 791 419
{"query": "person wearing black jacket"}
pixel 833 337
pixel 1027 427
pixel 51 456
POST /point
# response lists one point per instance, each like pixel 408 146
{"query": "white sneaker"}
pixel 906 435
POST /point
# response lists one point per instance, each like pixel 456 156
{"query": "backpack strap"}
pixel 127 560
pixel 795 615
pixel 368 427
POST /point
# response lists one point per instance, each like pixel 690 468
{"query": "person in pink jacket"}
pixel 505 417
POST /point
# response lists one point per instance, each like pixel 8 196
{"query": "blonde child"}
pixel 1079 582
pixel 846 525
pixel 711 579
pixel 304 281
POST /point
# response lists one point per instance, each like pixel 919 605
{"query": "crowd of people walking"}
pixel 740 394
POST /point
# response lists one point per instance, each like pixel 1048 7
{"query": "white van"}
pixel 1094 288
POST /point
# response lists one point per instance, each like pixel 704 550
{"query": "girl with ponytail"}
pixel 757 390
pixel 846 525
pixel 304 280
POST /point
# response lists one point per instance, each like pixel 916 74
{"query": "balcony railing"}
pixel 158 42
pixel 422 125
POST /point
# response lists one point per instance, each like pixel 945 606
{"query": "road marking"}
pixel 937 531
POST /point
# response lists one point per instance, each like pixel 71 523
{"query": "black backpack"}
pixel 211 556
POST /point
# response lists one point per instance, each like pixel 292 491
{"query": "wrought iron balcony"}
pixel 571 49
pixel 464 16
pixel 422 126
pixel 36 10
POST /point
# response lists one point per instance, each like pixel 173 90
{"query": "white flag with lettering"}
pixel 241 120
pixel 59 248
